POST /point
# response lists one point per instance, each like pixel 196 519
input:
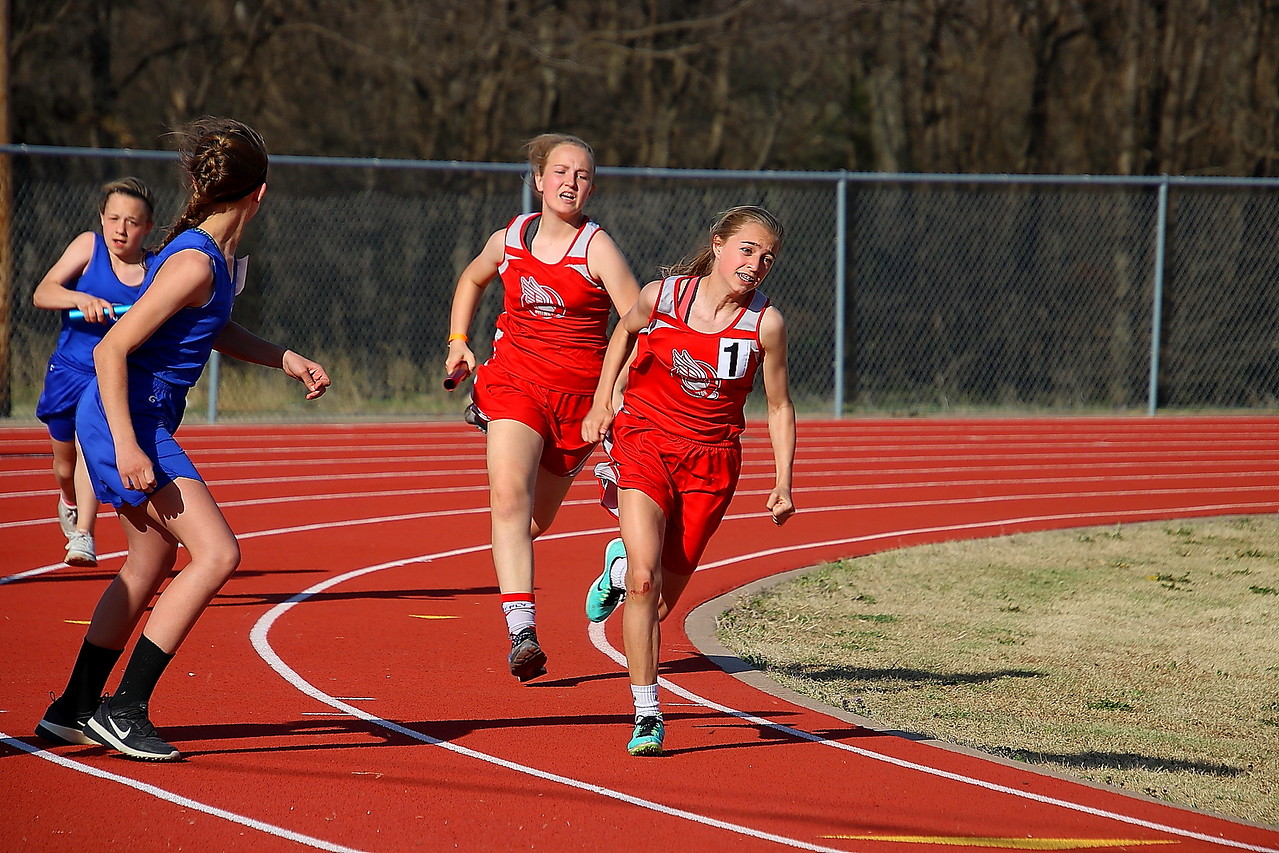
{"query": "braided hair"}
pixel 223 160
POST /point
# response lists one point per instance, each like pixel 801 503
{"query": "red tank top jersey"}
pixel 690 383
pixel 552 330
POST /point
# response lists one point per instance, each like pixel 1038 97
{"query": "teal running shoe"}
pixel 602 598
pixel 648 736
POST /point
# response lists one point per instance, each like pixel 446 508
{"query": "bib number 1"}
pixel 734 355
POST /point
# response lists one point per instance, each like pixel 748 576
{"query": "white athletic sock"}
pixel 519 615
pixel 645 696
pixel 617 573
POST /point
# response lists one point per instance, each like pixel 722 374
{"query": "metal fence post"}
pixel 1156 308
pixel 211 414
pixel 841 260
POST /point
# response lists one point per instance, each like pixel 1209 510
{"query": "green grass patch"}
pixel 1141 656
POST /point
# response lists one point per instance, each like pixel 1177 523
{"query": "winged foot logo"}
pixel 697 378
pixel 539 299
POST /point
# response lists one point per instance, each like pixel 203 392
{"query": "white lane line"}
pixel 176 799
pixel 618 795
pixel 1141 474
pixel 1186 511
pixel 329 476
pixel 596 632
pixel 1179 454
pixel 942 429
pixel 1217 450
pixel 261 643
pixel 298 498
pixel 599 639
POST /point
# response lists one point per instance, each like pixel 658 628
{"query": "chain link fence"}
pixel 903 294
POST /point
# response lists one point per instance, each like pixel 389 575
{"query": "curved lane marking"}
pixel 176 799
pixel 600 641
pixel 261 643
pixel 261 628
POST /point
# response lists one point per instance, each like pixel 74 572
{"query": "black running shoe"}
pixel 476 418
pixel 527 660
pixel 63 725
pixel 128 729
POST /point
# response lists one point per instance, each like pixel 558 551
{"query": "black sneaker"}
pixel 527 660
pixel 476 418
pixel 128 729
pixel 63 726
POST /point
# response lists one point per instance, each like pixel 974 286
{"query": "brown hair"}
pixel 132 187
pixel 729 223
pixel 539 149
pixel 223 160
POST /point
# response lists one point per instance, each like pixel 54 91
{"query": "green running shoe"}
pixel 647 739
pixel 602 598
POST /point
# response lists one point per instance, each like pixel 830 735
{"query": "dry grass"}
pixel 1142 656
pixel 404 389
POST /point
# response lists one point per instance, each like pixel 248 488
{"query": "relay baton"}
pixel 77 314
pixel 457 377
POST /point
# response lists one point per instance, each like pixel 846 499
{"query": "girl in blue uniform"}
pixel 95 272
pixel 126 420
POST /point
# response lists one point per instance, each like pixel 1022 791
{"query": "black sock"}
pixel 144 669
pixel 89 676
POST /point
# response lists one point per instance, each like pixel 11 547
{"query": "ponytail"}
pixel 223 161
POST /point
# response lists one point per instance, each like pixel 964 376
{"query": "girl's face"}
pixel 126 222
pixel 745 257
pixel 567 180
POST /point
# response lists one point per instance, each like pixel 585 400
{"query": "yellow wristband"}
pixel 457 336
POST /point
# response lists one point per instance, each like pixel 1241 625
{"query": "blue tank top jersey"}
pixel 177 351
pixel 77 339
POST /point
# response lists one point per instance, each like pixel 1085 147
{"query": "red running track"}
pixel 348 690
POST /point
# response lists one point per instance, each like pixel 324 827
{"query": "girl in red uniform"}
pixel 675 444
pixel 561 274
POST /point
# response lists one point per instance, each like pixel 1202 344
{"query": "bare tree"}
pixel 1137 86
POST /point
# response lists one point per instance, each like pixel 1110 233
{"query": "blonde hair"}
pixel 129 186
pixel 224 160
pixel 539 150
pixel 726 225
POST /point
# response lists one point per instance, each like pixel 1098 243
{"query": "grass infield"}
pixel 1142 656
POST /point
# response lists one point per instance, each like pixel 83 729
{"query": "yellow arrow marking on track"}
pixel 76 621
pixel 1007 843
pixel 423 616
